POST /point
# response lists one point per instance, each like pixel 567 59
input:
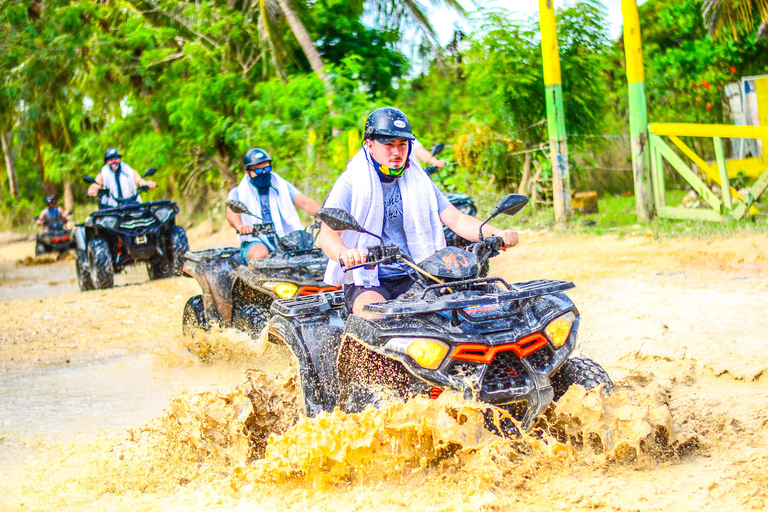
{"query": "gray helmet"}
pixel 111 153
pixel 255 156
pixel 387 124
pixel 50 199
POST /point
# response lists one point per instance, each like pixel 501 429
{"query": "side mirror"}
pixel 438 149
pixel 88 179
pixel 149 172
pixel 510 205
pixel 238 207
pixel 340 220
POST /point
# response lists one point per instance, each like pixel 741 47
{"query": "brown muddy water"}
pixel 103 405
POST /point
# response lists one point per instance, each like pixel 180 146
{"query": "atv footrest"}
pixel 308 304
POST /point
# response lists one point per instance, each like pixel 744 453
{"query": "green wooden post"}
pixel 725 183
pixel 638 112
pixel 558 146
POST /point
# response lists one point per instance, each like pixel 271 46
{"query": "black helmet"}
pixel 50 199
pixel 255 156
pixel 387 124
pixel 111 153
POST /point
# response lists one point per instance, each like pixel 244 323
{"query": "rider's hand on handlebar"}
pixel 510 238
pixel 244 229
pixel 150 184
pixel 352 258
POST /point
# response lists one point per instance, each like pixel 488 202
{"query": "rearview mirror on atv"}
pixel 149 172
pixel 238 207
pixel 88 179
pixel 510 205
pixel 340 220
pixel 438 149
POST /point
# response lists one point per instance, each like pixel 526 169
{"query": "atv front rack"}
pixel 308 304
pixel 459 301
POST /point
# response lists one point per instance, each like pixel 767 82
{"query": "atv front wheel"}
pixel 100 263
pixel 251 319
pixel 581 371
pixel 194 318
pixel 83 274
pixel 179 247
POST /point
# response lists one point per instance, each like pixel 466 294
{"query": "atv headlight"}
pixel 559 329
pixel 283 290
pixel 427 352
pixel 106 222
pixel 164 213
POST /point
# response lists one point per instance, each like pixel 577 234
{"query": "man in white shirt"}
pixel 117 177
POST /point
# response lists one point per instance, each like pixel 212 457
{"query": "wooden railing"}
pixel 731 204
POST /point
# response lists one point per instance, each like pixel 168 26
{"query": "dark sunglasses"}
pixel 260 170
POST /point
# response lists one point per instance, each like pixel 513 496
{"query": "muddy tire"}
pixel 582 371
pixel 179 245
pixel 361 398
pixel 40 249
pixel 251 319
pixel 193 319
pixel 100 263
pixel 83 274
pixel 159 270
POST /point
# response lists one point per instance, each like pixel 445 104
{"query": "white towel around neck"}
pixel 421 219
pixel 284 214
pixel 127 183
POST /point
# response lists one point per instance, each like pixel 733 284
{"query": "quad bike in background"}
pixel 508 345
pixel 236 294
pixel 462 202
pixel 112 238
pixel 56 238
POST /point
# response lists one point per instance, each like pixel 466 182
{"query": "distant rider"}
pixel 425 155
pixel 117 177
pixel 388 193
pixel 271 198
pixel 52 215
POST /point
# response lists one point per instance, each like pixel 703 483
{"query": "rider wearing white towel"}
pixel 271 198
pixel 118 178
pixel 390 195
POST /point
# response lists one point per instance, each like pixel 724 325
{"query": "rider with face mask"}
pixel 385 189
pixel 271 198
pixel 117 177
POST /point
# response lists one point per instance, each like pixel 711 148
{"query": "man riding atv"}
pixel 271 198
pixel 119 178
pixel 385 189
pixel 54 236
pixel 52 214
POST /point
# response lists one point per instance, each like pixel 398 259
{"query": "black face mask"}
pixel 262 181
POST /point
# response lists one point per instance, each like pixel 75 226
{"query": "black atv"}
pixel 112 238
pixel 55 239
pixel 508 345
pixel 462 202
pixel 239 295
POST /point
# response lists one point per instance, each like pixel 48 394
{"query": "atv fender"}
pixel 80 238
pixel 311 327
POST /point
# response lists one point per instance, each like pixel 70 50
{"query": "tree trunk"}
pixel 69 197
pixel 10 164
pixel 526 174
pixel 313 56
pixel 47 187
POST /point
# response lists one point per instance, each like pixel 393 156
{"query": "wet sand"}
pixel 676 323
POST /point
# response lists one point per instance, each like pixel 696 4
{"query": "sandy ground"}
pixel 678 324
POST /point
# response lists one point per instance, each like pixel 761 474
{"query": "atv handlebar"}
pixel 378 255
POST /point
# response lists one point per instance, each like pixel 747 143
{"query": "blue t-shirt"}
pixel 393 232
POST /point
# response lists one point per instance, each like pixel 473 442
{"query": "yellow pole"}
pixel 638 112
pixel 558 146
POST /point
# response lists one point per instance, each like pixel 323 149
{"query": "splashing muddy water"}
pixel 685 429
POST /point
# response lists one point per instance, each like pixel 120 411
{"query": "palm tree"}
pixel 735 16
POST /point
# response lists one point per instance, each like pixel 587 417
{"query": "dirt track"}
pixel 677 323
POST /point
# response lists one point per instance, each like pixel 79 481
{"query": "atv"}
pixel 112 238
pixel 508 345
pixel 239 295
pixel 55 239
pixel 462 202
